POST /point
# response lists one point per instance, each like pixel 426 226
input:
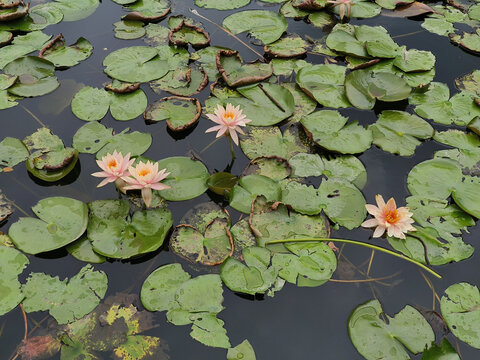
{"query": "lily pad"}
pixel 12 152
pixel 274 167
pixel 221 183
pixel 307 264
pixel 221 4
pixel 12 263
pixel 179 113
pixel 254 277
pixel 249 187
pixel 185 34
pixel 229 64
pixel 66 300
pixel 304 105
pixel 211 248
pixel 147 10
pixel 39 17
pixel 6 210
pixel 324 83
pixel 444 351
pixel 266 26
pixel 129 29
pixel 287 47
pixel 374 338
pixel 156 34
pixel 75 10
pixel 185 81
pixel 460 309
pixel 114 234
pixel 66 56
pixel 187 178
pixel 399 132
pixel 242 351
pixel 415 60
pixel 329 129
pixel 61 221
pixel 14 13
pixel 135 143
pixel 82 250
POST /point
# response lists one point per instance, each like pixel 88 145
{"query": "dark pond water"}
pixel 298 323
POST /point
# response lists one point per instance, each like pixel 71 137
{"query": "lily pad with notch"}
pixel 114 234
pixel 129 29
pixel 12 152
pixel 180 113
pixel 63 56
pixel 222 183
pixel 38 18
pixel 184 81
pixel 229 64
pixel 61 221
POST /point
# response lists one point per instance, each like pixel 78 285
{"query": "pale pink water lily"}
pixel 145 177
pixel 342 6
pixel 114 167
pixel 229 120
pixel 387 217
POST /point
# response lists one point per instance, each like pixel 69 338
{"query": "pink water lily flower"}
pixel 145 177
pixel 114 167
pixel 396 221
pixel 342 6
pixel 229 120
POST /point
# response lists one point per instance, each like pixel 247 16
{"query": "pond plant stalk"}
pixel 359 243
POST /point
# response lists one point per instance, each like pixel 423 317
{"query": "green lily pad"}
pixel 273 167
pixel 76 10
pixel 187 178
pixel 241 351
pixel 249 187
pixel 304 105
pixel 92 104
pixel 392 4
pixel 82 250
pixel 207 58
pixel 135 143
pixel 6 210
pixel 114 234
pixel 12 263
pixel 129 29
pixel 468 41
pixel 311 5
pixel 266 26
pixel 221 4
pixel 329 130
pixel 66 56
pixel 66 300
pixel 415 60
pixel 307 264
pixel 460 309
pixel 211 248
pixel 221 183
pixel 469 82
pixel 38 18
pixel 443 352
pixel 275 223
pixel 362 9
pixel 321 19
pixel 364 87
pixel 179 113
pixel 289 11
pixel 186 81
pixel 324 83
pixel 256 101
pixel 302 198
pixel 156 34
pixel 286 67
pixel 440 27
pixel 91 137
pixel 12 152
pixel 185 34
pixel 287 47
pixel 5 37
pixel 254 277
pixel 376 339
pixel 229 64
pixel 147 10
pixel 398 132
pixel 61 221
pixel 14 13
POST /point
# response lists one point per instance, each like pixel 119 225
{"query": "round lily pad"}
pixel 148 10
pixel 135 143
pixel 187 178
pixel 63 56
pixel 179 113
pixel 61 221
pixel 82 250
pixel 287 47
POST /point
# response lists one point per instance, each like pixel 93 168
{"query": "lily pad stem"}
pixel 360 244
pixel 231 147
pixel 206 147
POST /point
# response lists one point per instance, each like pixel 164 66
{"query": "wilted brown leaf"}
pixel 414 9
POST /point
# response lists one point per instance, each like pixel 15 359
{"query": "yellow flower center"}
pixel 229 116
pixel 112 164
pixel 392 217
pixel 144 172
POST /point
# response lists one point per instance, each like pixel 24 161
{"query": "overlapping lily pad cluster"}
pixel 297 137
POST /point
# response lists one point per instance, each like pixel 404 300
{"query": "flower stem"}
pixel 206 147
pixel 231 147
pixel 360 244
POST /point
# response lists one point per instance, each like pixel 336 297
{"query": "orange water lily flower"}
pixel 145 177
pixel 114 167
pixel 396 221
pixel 342 6
pixel 229 120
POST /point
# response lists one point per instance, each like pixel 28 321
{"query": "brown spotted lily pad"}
pixel 229 64
pixel 121 87
pixel 309 4
pixel 180 113
pixel 13 13
pixel 186 33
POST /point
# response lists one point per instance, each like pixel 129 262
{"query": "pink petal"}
pixel 234 136
pixel 373 210
pixel 378 231
pixel 214 128
pixel 101 174
pixel 380 201
pixel 370 223
pixel 160 186
pixel 106 181
pixel 222 131
pixel 391 205
pixel 147 196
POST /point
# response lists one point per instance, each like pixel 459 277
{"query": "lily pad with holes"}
pixel 229 64
pixel 66 56
pixel 115 235
pixel 12 152
pixel 257 100
pixel 179 113
pixel 91 137
pixel 61 221
pixel 254 277
pixel 329 129
pixel 12 263
pixel 304 199
pixel 364 87
pixel 249 187
pixel 147 10
pixel 287 47
pixel 188 178
pixel 460 309
pixel 307 264
pixel 266 26
pixel 211 248
pixel 66 300
pixel 469 82
pixel 324 83
pixel 399 132
pixel 242 351
pixel 375 338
